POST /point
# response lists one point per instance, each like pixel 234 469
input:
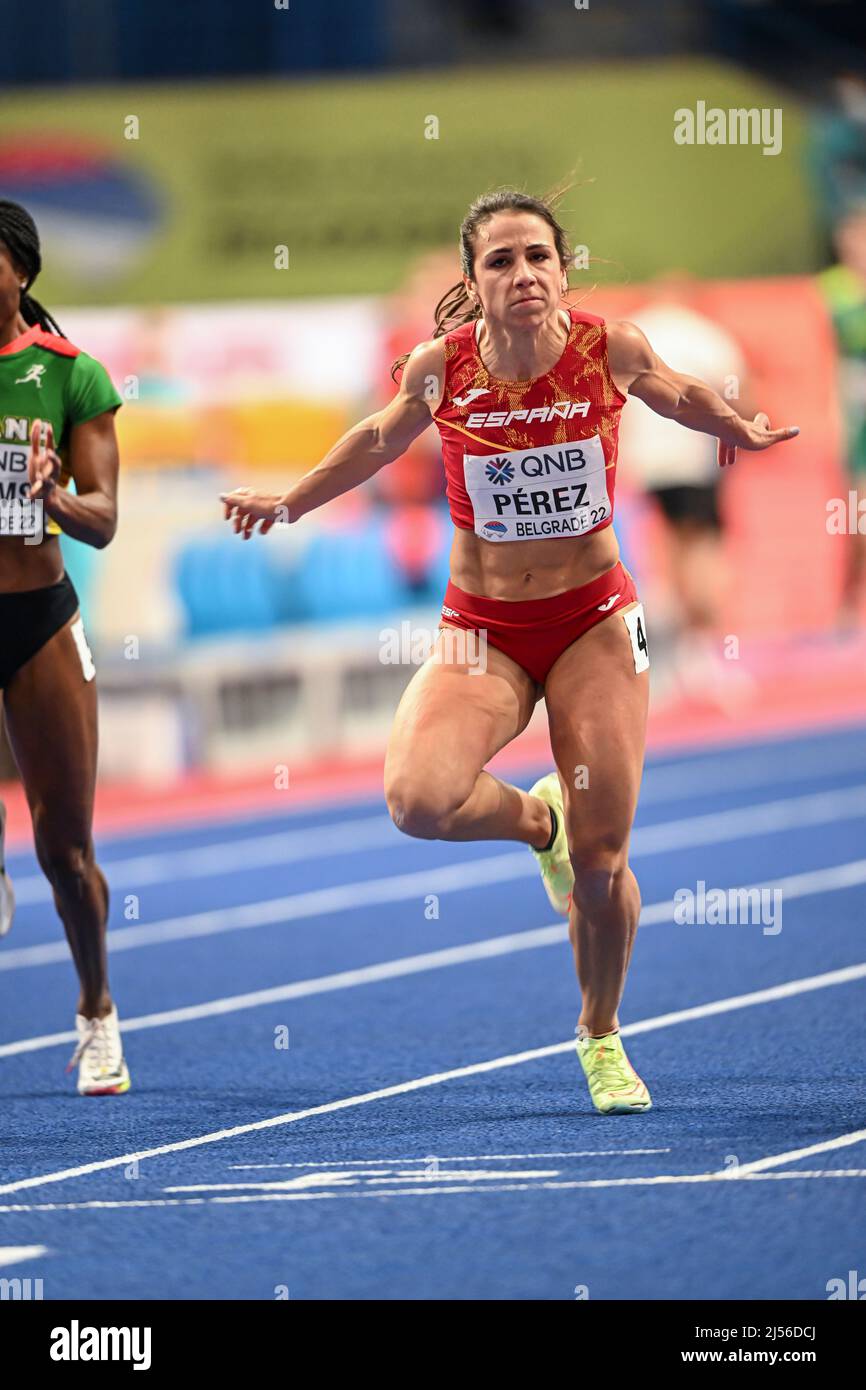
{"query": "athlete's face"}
pixel 518 276
pixel 10 286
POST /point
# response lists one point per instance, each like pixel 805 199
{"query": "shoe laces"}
pixel 610 1068
pixel 97 1036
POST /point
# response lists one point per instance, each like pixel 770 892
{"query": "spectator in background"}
pixel 844 288
pixel 836 150
pixel 412 487
pixel 679 470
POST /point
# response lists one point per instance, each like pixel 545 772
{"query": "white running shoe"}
pixel 7 892
pixel 99 1056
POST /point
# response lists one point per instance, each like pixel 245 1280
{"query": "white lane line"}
pixel 662 1180
pixel 847 975
pixel 820 881
pixel 797 885
pixel 373 832
pixel 448 878
pixel 760 1165
pixel 16 1254
pixel 323 984
pixel 730 768
pixel 228 856
pixel 736 768
pixel 719 1006
pixel 745 822
pixel 382 1175
pixel 450 1158
pixel 665 1180
pixel 320 902
pixel 310 1181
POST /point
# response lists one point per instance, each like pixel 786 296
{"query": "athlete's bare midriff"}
pixel 25 566
pixel 530 569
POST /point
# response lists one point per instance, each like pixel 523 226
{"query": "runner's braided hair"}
pixel 456 307
pixel 19 235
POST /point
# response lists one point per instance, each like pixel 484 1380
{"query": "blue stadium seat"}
pixel 348 574
pixel 224 586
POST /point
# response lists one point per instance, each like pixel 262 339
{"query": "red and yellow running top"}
pixel 528 460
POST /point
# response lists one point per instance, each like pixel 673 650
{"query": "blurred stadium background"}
pixel 245 217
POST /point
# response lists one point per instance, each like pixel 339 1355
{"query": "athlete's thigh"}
pixel 597 709
pixel 456 713
pixel 51 718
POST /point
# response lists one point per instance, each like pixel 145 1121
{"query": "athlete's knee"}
pixel 67 863
pixel 600 864
pixel 423 810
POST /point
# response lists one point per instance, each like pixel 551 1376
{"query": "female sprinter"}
pixel 51 390
pixel 526 393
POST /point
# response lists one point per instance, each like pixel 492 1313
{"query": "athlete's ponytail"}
pixel 456 307
pixel 19 235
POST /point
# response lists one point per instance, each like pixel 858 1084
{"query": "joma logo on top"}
pixel 495 419
pixel 737 126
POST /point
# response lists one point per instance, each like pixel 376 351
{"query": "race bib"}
pixel 18 515
pixel 532 494
pixel 636 623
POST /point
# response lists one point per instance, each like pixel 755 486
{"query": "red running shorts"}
pixel 535 632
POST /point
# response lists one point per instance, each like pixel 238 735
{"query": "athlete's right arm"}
pixel 361 452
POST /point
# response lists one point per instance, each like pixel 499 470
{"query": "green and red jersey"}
pixel 43 377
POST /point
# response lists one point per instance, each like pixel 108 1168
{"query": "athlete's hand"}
pixel 246 508
pixel 756 435
pixel 44 464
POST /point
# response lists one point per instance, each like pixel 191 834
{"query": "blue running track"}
pixel 353 1069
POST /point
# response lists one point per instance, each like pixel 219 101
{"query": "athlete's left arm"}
pixel 639 371
pixel 90 513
